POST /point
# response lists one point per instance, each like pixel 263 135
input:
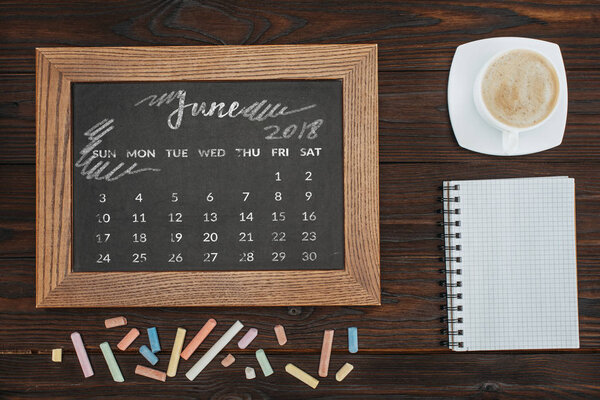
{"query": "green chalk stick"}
pixel 115 371
pixel 264 362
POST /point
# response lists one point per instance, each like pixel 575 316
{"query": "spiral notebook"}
pixel 511 269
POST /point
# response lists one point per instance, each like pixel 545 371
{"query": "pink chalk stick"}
pixel 151 373
pixel 280 332
pixel 198 339
pixel 248 338
pixel 82 355
pixel 325 352
pixel 227 361
pixel 114 322
pixel 128 339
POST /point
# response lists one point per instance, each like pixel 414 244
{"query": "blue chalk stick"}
pixel 153 337
pixel 352 339
pixel 148 355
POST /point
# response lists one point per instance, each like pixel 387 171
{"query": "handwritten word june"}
pixel 257 111
pixel 102 170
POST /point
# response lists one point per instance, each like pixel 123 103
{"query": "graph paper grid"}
pixel 518 262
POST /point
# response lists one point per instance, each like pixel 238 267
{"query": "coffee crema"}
pixel 520 88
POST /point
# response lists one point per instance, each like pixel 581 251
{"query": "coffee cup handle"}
pixel 510 141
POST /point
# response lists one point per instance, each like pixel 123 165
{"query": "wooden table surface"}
pixel 399 355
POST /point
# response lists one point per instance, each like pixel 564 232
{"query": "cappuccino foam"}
pixel 520 88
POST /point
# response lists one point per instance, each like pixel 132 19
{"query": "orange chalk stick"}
pixel 128 339
pixel 198 339
pixel 114 322
pixel 280 333
pixel 325 352
pixel 150 373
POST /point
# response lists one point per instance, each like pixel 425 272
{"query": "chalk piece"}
pixel 301 375
pixel 153 338
pixel 227 361
pixel 264 363
pixel 250 374
pixel 82 355
pixel 57 355
pixel 113 367
pixel 114 322
pixel 280 333
pixel 247 338
pixel 214 350
pixel 343 372
pixel 176 352
pixel 128 339
pixel 148 354
pixel 150 373
pixel 352 339
pixel 198 339
pixel 325 352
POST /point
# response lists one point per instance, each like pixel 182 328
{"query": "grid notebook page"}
pixel 518 262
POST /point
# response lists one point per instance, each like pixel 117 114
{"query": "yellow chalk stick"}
pixel 301 375
pixel 343 372
pixel 176 353
pixel 57 355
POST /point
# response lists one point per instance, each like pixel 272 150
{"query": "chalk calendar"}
pixel 208 176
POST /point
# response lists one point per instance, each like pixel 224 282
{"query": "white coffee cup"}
pixel 510 134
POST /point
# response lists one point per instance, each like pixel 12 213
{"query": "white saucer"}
pixel 471 131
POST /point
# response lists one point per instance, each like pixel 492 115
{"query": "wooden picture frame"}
pixel 58 286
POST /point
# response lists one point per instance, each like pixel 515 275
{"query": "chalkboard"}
pixel 208 176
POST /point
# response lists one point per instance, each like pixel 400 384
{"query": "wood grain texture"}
pixel 526 376
pixel 412 35
pixel 399 355
pixel 58 286
pixel 413 120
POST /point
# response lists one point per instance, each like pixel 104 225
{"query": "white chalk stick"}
pixel 214 350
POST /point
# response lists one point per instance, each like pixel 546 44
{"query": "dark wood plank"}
pixel 413 120
pixel 440 376
pixel 411 35
pixel 408 320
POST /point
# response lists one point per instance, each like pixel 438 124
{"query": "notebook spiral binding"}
pixel 451 257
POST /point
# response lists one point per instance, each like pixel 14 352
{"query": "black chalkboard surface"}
pixel 208 176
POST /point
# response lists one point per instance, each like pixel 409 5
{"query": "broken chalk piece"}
pixel 57 355
pixel 114 322
pixel 250 374
pixel 153 338
pixel 176 352
pixel 264 363
pixel 128 339
pixel 301 375
pixel 248 338
pixel 280 333
pixel 352 339
pixel 214 350
pixel 82 355
pixel 150 373
pixel 343 372
pixel 325 352
pixel 113 367
pixel 148 355
pixel 227 361
pixel 198 339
